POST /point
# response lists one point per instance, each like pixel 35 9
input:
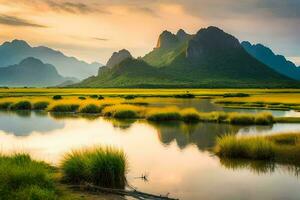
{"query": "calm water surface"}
pixel 205 105
pixel 176 156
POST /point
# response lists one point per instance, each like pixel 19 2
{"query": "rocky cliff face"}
pixel 118 57
pixel 167 40
pixel 211 40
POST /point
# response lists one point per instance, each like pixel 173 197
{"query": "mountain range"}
pixel 277 62
pixel 31 72
pixel 210 58
pixel 14 52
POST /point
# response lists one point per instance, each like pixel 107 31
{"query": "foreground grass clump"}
pixel 122 111
pixel 91 109
pixel 165 114
pixel 65 108
pixel 102 166
pixel 23 178
pixel 283 148
pixel 42 105
pixel 22 105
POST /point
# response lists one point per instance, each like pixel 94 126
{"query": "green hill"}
pixel 210 58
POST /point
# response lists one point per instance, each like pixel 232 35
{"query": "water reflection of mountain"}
pixel 25 122
pixel 203 135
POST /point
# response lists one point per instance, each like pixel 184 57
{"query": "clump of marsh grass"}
pixel 65 108
pixel 213 117
pixel 57 97
pixel 122 111
pixel 5 105
pixel 22 105
pixel 127 97
pixel 102 166
pixel 256 148
pixel 42 105
pixel 100 97
pixel 94 96
pixel 91 109
pixel 165 114
pixel 264 118
pixel 23 178
pixel 190 115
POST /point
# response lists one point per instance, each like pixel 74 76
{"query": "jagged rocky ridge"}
pixel 210 58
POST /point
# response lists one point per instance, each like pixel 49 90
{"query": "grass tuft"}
pixel 65 108
pixel 102 166
pixel 22 105
pixel 91 109
pixel 42 105
pixel 166 114
pixel 256 148
pixel 57 97
pixel 23 178
pixel 122 111
pixel 5 105
pixel 190 115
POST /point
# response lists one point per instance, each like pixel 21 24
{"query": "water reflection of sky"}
pixel 25 122
pixel 174 155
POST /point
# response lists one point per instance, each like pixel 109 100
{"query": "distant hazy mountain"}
pixel 31 72
pixel 14 52
pixel 276 62
pixel 210 58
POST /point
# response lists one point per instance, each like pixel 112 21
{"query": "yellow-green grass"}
pixel 282 148
pixel 163 114
pixel 129 110
pixel 102 166
pixel 23 178
pixel 123 111
pixel 91 109
pixel 268 95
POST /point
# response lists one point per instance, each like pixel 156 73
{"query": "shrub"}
pixel 57 97
pixel 65 108
pixel 5 105
pixel 90 108
pixel 102 166
pixel 190 115
pixel 40 105
pixel 165 114
pixel 22 105
pixel 82 98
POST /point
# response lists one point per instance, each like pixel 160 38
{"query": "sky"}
pixel 92 30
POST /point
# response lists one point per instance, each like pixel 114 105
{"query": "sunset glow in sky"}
pixel 92 29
